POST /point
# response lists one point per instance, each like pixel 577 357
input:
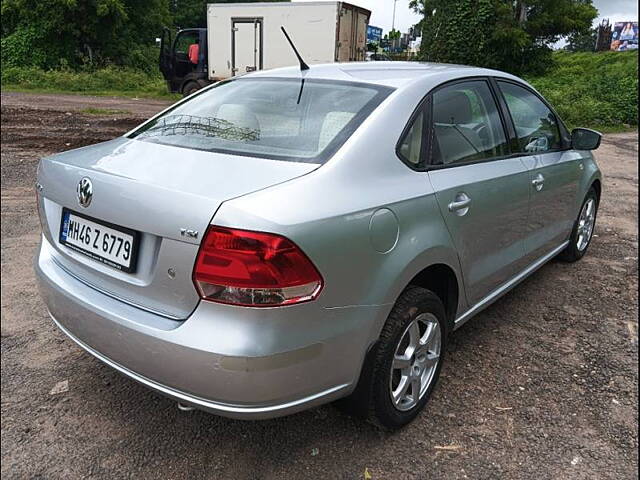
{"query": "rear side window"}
pixel 466 124
pixel 283 119
pixel 536 125
pixel 411 144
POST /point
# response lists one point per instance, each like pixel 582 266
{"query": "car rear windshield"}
pixel 284 119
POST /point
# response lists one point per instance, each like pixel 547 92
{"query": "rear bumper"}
pixel 236 362
pixel 245 412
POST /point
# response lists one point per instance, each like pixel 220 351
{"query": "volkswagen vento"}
pixel 288 238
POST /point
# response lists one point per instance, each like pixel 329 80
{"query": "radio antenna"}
pixel 303 65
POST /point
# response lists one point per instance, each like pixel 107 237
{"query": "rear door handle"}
pixel 460 205
pixel 538 182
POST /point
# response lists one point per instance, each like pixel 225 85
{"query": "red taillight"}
pixel 253 269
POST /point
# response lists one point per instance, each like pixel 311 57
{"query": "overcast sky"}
pixel 382 12
pixel 616 10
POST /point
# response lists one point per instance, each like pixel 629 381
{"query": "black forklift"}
pixel 184 66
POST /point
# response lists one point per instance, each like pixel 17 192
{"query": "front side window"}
pixel 536 125
pixel 466 124
pixel 283 119
pixel 183 42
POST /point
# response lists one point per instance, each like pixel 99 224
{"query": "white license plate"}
pixel 104 242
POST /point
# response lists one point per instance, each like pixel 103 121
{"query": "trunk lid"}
pixel 156 190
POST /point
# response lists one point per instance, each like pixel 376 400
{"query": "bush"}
pixel 108 80
pixel 598 90
pixel 20 48
pixel 143 58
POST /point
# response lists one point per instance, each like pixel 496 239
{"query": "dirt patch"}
pixel 543 384
pixel 142 108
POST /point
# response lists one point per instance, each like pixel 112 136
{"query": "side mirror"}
pixel 585 139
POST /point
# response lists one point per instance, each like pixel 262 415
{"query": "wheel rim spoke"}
pixel 414 335
pixel 431 360
pixel 428 336
pixel 416 387
pixel 400 392
pixel 401 362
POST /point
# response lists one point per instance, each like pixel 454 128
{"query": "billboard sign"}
pixel 374 34
pixel 624 36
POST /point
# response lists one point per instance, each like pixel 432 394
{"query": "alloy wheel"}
pixel 415 361
pixel 586 222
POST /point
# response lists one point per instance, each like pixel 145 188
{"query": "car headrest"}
pixel 452 107
pixel 240 115
pixel 333 123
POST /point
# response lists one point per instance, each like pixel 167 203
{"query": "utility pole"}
pixel 393 22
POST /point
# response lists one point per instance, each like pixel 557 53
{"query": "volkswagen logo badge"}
pixel 85 192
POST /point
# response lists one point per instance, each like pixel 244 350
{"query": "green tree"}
pixel 393 35
pixel 515 36
pixel 193 13
pixel 189 13
pixel 53 33
pixel 582 42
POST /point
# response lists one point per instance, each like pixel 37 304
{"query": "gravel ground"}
pixel 543 384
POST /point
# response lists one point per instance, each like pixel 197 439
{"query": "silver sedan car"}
pixel 289 238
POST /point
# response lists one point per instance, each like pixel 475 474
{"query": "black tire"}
pixel 572 253
pixel 372 397
pixel 189 88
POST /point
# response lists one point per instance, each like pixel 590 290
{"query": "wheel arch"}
pixel 427 269
pixel 596 184
pixel 442 280
pixel 436 269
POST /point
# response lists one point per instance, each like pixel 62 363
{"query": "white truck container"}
pixel 244 37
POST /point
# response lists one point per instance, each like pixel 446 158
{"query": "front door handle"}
pixel 538 182
pixel 460 205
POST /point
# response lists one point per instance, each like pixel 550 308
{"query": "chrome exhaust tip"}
pixel 184 408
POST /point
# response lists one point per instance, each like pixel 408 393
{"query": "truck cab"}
pixel 183 59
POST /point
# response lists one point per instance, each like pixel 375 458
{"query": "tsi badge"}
pixel 187 232
pixel 85 192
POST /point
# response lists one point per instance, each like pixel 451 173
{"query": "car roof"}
pixel 392 74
